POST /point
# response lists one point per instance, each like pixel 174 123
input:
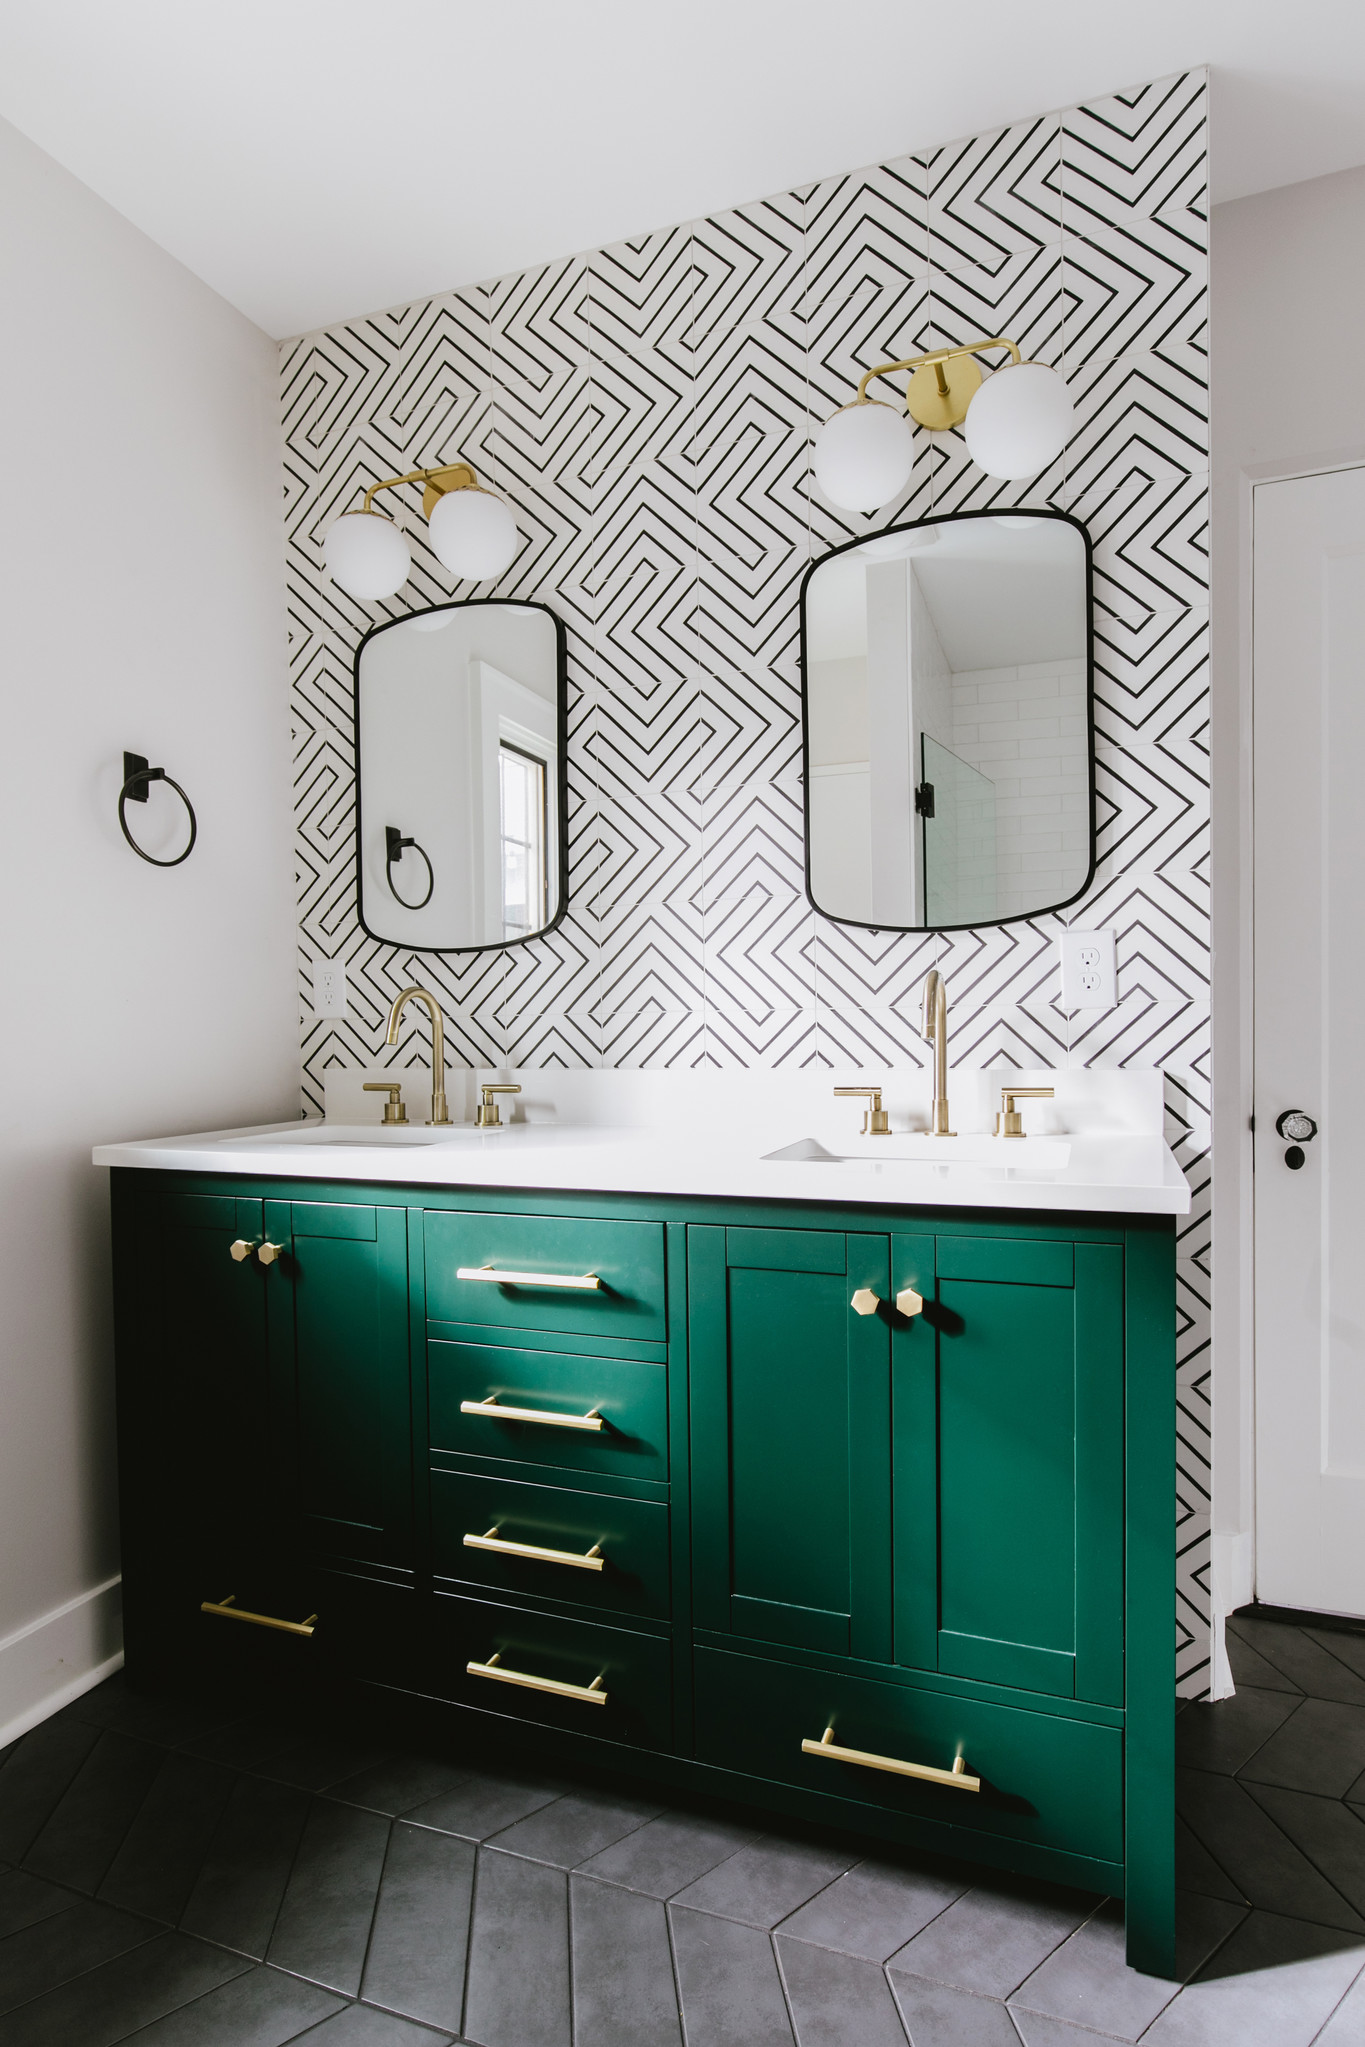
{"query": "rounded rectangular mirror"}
pixel 461 833
pixel 947 676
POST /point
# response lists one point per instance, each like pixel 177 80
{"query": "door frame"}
pixel 1233 1575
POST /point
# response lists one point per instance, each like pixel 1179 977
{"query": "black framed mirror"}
pixel 948 728
pixel 461 816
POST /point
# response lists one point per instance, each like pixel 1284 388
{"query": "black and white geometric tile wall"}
pixel 648 410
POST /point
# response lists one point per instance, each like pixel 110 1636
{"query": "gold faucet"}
pixel 1009 1123
pixel 487 1116
pixel 876 1122
pixel 936 1030
pixel 439 1112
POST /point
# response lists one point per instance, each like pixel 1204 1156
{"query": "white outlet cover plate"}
pixel 1088 975
pixel 330 992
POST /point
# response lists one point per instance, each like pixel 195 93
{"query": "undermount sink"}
pixel 1026 1154
pixel 352 1136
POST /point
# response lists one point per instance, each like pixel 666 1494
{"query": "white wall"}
pixel 1288 310
pixel 141 578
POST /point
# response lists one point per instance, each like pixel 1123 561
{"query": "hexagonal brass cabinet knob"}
pixel 864 1302
pixel 241 1249
pixel 268 1253
pixel 908 1302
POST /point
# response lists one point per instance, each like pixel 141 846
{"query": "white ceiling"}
pixel 318 159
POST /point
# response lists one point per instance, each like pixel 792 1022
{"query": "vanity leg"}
pixel 1149 1801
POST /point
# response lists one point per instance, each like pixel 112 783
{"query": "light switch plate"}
pixel 1088 979
pixel 329 988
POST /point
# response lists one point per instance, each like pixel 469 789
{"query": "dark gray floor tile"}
pixel 416 1962
pixel 400 1783
pixel 875 1909
pixel 485 1804
pixel 1087 1981
pixel 1305 1662
pixel 1272 1985
pixel 518 1991
pixel 936 2015
pixel 1222 1734
pixel 123 1995
pixel 1346 1644
pixel 237 1895
pixel 242 1744
pixel 664 1856
pixel 1259 1857
pixel 766 1881
pixel 150 1716
pixel 324 1923
pixel 1330 1834
pixel 67 1944
pixel 837 2000
pixel 313 1763
pixel 25 1899
pixel 1035 2029
pixel 358 2026
pixel 1196 1870
pixel 996 1935
pixel 728 1981
pixel 574 1828
pixel 163 1851
pixel 1249 1667
pixel 37 1771
pixel 1321 1747
pixel 623 1988
pixel 261 2008
pixel 87 1825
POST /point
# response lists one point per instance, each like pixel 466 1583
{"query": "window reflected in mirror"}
pixel 947 734
pixel 460 787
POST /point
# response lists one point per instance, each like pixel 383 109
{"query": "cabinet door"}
pixel 1008 1423
pixel 338 1303
pixel 790 1438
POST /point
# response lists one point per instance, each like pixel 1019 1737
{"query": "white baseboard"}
pixel 57 1657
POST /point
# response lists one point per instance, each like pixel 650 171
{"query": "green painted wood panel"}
pixel 1048 1781
pixel 631 1534
pixel 630 1397
pixel 628 1258
pixel 914 1451
pixel 633 1668
pixel 1022 1261
pixel 791 1401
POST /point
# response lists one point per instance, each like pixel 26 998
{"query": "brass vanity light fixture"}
pixel 472 530
pixel 1016 422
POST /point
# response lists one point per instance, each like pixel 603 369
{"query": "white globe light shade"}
pixel 474 533
pixel 863 456
pixel 1019 421
pixel 366 555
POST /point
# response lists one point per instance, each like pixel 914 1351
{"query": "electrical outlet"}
pixel 329 988
pixel 1087 970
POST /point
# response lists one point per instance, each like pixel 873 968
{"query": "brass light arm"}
pixel 936 395
pixel 452 476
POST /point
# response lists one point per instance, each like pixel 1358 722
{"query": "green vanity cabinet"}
pixel 675 1487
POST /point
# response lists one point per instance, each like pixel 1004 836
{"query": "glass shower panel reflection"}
pixel 959 840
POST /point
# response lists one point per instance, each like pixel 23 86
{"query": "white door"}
pixel 1309 778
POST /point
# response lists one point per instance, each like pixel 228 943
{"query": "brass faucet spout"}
pixel 936 1031
pixel 439 1111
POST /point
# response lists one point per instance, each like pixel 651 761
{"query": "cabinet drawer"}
pixel 626 1258
pixel 628 1397
pixel 1046 1780
pixel 629 1575
pixel 629 1672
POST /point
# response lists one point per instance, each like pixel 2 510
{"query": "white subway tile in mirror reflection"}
pixel 648 410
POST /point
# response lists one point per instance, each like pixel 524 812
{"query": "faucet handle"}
pixel 394 1109
pixel 1009 1123
pixel 488 1116
pixel 876 1122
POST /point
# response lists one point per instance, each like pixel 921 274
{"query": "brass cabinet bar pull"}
pixel 957 1778
pixel 588 1695
pixel 228 1612
pixel 587 1560
pixel 497 1277
pixel 591 1420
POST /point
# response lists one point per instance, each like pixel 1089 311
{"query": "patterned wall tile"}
pixel 649 411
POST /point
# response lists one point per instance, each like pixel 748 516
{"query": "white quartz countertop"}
pixel 1123 1172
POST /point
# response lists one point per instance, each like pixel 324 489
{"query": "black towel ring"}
pixel 136 770
pixel 394 844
